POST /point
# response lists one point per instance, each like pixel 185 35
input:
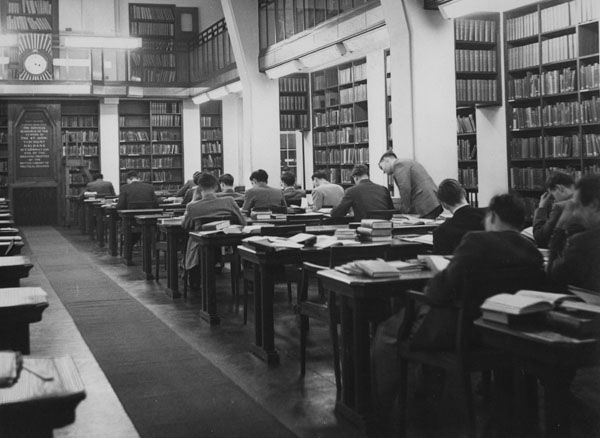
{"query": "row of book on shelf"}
pixel 483 31
pixel 151 13
pixel 211 161
pixel 293 85
pixel 478 90
pixel 166 120
pixel 212 147
pixel 558 17
pixel 79 150
pixel 147 149
pixel 532 178
pixel 476 61
pixel 22 23
pixel 293 122
pixel 358 134
pixel 36 7
pixel 165 107
pixel 468 177
pixel 558 114
pixel 3 166
pixel 3 137
pixel 153 60
pixel 151 29
pixel 153 75
pixel 79 121
pixel 466 150
pixel 551 82
pixel 341 76
pixel 292 103
pixel 556 146
pixel 466 124
pixel 343 156
pixel 211 134
pixel 156 176
pixel 79 136
pixel 210 121
pixel 553 50
pixel 134 120
pixel 339 116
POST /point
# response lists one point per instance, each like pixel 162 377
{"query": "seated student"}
pixel 188 184
pixel 464 218
pixel 575 243
pixel 292 195
pixel 192 194
pixel 364 196
pixel 209 205
pixel 560 187
pixel 136 194
pixel 325 194
pixel 261 196
pixel 101 187
pixel 226 182
pixel 500 245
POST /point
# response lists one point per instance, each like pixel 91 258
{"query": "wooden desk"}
pixel 99 215
pixel 553 362
pixel 356 296
pixel 175 235
pixel 90 217
pixel 12 269
pixel 81 215
pixel 19 307
pixel 112 218
pixel 127 224
pixel 148 224
pixel 33 407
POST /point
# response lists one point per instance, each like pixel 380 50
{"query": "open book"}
pixel 426 239
pixel 376 268
pixel 435 263
pixel 525 301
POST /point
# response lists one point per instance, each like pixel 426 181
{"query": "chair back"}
pixel 282 230
pixel 199 221
pixel 339 255
pixel 382 214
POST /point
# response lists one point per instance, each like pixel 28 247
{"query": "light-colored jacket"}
pixel 418 192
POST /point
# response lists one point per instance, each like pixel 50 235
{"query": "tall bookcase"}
pixel 211 135
pixel 3 151
pixel 294 116
pixel 553 92
pixel 340 122
pixel 388 100
pixel 80 143
pixel 466 134
pixel 151 142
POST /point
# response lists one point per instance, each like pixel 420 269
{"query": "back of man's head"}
pixel 588 189
pixel 132 174
pixel 509 208
pixel 559 178
pixel 98 176
pixel 288 178
pixel 360 171
pixel 451 193
pixel 259 176
pixel 196 177
pixel 226 179
pixel 207 182
pixel 320 175
pixel 388 154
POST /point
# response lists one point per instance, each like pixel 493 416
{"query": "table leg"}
pixel 112 236
pixel 209 289
pixel 557 396
pixel 267 293
pixel 127 241
pixel 172 271
pixel 100 227
pixel 147 229
pixel 91 221
pixel 82 225
pixel 258 334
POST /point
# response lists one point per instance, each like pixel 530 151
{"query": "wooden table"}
pixel 148 223
pixel 100 216
pixel 81 215
pixel 12 269
pixel 112 219
pixel 175 235
pixel 554 362
pixel 90 217
pixel 357 295
pixel 19 307
pixel 127 224
pixel 33 406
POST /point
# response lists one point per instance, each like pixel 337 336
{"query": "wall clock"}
pixel 35 63
pixel 35 54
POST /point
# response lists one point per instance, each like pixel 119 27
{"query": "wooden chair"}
pixel 466 356
pixel 318 308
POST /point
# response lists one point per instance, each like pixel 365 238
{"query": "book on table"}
pixel 376 268
pixel 435 263
pixel 574 322
pixel 374 232
pixel 426 239
pixel 375 224
pixel 215 225
pixel 304 238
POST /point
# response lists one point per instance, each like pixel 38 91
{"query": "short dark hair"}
pixel 589 189
pixel 226 179
pixel 360 170
pixel 556 178
pixel 207 181
pixel 260 176
pixel 386 154
pixel 98 176
pixel 450 192
pixel 288 178
pixel 131 174
pixel 320 175
pixel 196 177
pixel 510 208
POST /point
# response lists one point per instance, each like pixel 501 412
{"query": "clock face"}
pixel 35 64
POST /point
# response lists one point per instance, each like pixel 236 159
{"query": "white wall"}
pixel 377 113
pixel 191 139
pixel 109 141
pixel 491 151
pixel 87 16
pixel 233 144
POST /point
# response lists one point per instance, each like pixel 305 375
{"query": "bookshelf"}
pixel 211 134
pixel 150 141
pixel 553 93
pixel 466 138
pixel 388 99
pixel 80 144
pixel 293 103
pixel 3 150
pixel 288 151
pixel 340 122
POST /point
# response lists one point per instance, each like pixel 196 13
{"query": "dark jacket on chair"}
pixel 135 195
pixel 263 196
pixel 101 187
pixel 448 235
pixel 362 198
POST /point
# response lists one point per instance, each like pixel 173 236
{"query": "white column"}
pixel 109 140
pixel 261 95
pixel 233 121
pixel 492 161
pixel 191 139
pixel 377 115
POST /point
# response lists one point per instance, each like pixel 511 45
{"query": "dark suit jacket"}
pixel 101 187
pixel 575 259
pixel 137 195
pixel 362 198
pixel 448 235
pixel 230 193
pixel 263 196
pixel 417 189
pixel 293 196
pixel 478 251
pixel 184 188
pixel 210 205
pixel 544 223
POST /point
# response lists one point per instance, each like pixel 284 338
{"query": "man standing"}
pixel 364 196
pixel 560 187
pixel 136 194
pixel 417 189
pixel 101 187
pixel 226 182
pixel 261 196
pixel 325 194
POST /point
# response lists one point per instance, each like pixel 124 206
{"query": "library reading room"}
pixel 268 218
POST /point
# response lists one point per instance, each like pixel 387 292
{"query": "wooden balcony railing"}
pixel 211 54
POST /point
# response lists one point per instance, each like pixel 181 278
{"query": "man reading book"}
pixel 500 246
pixel 560 187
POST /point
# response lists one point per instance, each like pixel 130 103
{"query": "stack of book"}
pixel 371 268
pixel 345 234
pixel 261 215
pixel 374 230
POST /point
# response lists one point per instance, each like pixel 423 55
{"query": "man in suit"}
pixel 560 187
pixel 501 245
pixel 417 189
pixel 575 243
pixel 261 196
pixel 363 197
pixel 136 194
pixel 101 187
pixel 226 182
pixel 291 194
pixel 464 218
pixel 325 194
pixel 208 205
pixel 188 185
pixel 192 194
